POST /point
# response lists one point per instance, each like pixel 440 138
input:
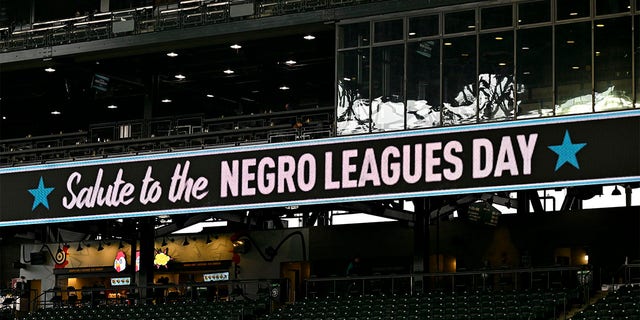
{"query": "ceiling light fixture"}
pixel 616 191
pixel 100 247
pixel 164 242
pixel 79 248
pixel 235 46
pixel 309 37
pixel 499 38
pixel 112 106
pixel 185 242
pixel 525 48
pixel 49 69
pixel 229 71
pixel 165 100
pixel 573 14
pixel 471 27
pixel 284 88
pixel 448 44
pixel 502 64
pixel 208 239
pixel 575 67
pixel 4 117
pixel 180 76
pixel 411 34
pixel 600 25
pixel 290 62
pixel 172 54
pixel 210 95
pixel 571 41
pixel 56 112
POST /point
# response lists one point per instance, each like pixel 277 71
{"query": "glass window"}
pixel 497 17
pixel 423 84
pixel 460 21
pixel 459 80
pixel 571 9
pixel 423 26
pixel 496 96
pixel 612 6
pixel 353 114
pixel 636 54
pixel 534 12
pixel 354 35
pixel 573 68
pixel 388 30
pixel 387 88
pixel 612 44
pixel 534 75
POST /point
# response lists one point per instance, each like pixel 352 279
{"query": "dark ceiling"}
pixel 29 94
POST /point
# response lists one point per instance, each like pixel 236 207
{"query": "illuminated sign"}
pixel 162 258
pixel 125 281
pixel 498 156
pixel 218 276
pixel 120 263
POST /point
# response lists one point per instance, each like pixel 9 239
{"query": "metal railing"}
pixel 167 135
pixel 147 19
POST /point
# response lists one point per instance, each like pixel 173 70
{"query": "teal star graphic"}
pixel 567 151
pixel 40 195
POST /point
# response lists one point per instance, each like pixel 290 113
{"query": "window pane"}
pixel 387 90
pixel 460 21
pixel 423 26
pixel 353 92
pixel 571 9
pixel 423 84
pixel 613 64
pixel 354 35
pixel 496 99
pixel 534 74
pixel 388 30
pixel 459 80
pixel 534 12
pixel 573 68
pixel 497 17
pixel 612 6
pixel 636 53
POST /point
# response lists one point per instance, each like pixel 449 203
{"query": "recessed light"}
pixel 525 48
pixel 180 76
pixel 346 79
pixel 570 42
pixel 499 38
pixel 209 95
pixel 598 53
pixel 502 64
pixel 56 112
pixel 112 106
pixel 4 117
pixel 290 62
pixel 172 54
pixel 228 71
pixel 448 43
pixel 411 34
pixel 573 13
pixel 600 25
pixel 527 72
pixel 309 37
pixel 471 27
pixel 166 100
pixel 255 91
pixel 284 88
pixel 235 46
pixel 464 54
pixel 49 69
pixel 575 67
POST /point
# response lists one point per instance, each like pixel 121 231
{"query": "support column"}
pixel 147 249
pixel 420 241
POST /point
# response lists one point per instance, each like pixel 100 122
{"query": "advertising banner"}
pixel 501 156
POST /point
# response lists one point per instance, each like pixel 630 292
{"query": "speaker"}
pixel 38 258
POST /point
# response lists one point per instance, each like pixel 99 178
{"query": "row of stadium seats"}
pixel 179 311
pixel 434 305
pixel 621 304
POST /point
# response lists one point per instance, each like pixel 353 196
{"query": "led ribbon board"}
pixel 501 156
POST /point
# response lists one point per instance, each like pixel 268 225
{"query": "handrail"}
pixel 147 20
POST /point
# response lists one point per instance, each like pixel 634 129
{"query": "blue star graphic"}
pixel 567 151
pixel 40 195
